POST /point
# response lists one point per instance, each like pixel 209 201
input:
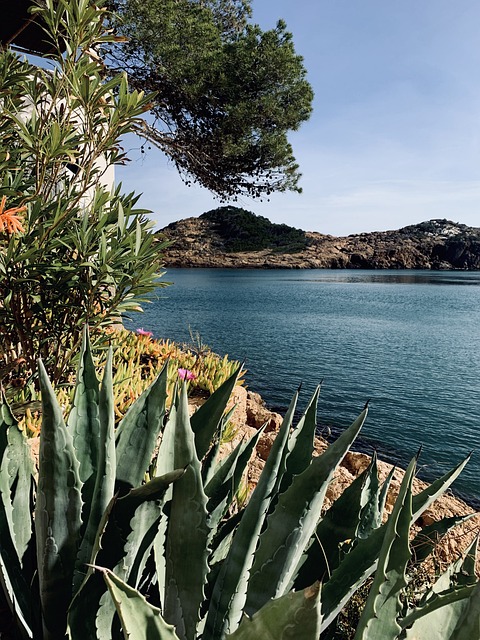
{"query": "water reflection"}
pixel 394 277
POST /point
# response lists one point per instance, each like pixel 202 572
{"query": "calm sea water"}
pixel 407 340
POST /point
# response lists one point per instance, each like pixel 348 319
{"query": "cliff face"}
pixel 437 244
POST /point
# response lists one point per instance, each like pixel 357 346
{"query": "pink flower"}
pixel 185 374
pixel 142 332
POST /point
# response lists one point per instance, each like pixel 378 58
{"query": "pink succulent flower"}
pixel 185 374
pixel 143 332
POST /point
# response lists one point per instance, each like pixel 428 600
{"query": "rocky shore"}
pixel 251 413
pixel 436 244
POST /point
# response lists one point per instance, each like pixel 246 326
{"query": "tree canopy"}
pixel 227 92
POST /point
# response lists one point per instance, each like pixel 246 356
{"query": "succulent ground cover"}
pixel 137 358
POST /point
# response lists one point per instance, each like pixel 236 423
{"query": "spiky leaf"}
pixel 230 590
pixel 206 420
pixel 361 561
pixel 138 432
pixel 186 556
pixel 140 620
pixel 57 513
pixel 104 472
pixel 294 616
pixel 291 525
pixel 379 619
pixel 336 529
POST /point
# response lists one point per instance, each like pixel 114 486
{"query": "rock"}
pixel 435 244
pixel 257 414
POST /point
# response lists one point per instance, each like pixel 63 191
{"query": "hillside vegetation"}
pixel 242 230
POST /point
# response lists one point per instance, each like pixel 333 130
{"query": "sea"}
pixel 406 341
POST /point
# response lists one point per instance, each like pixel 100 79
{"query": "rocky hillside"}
pixel 231 237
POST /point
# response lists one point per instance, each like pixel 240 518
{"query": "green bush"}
pixel 242 230
pixel 72 250
pixel 144 511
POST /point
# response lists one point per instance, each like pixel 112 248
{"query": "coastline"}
pixel 223 242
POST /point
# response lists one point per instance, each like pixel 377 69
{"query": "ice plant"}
pixel 143 332
pixel 9 220
pixel 186 374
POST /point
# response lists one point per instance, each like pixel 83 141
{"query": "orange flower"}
pixel 9 221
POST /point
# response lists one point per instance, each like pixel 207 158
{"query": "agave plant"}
pixel 131 532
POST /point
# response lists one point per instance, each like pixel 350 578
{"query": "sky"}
pixel 394 138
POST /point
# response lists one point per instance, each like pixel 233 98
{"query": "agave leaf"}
pixel 425 541
pixel 17 590
pixel 165 463
pixel 425 498
pixel 379 619
pixel 138 515
pixel 112 536
pixel 222 474
pixel 442 602
pixel 301 443
pixel 294 616
pixel 361 561
pixel 468 625
pixel 206 420
pixel 338 526
pixel 186 555
pixel 441 622
pixel 370 516
pixel 223 494
pixel 14 587
pixel 209 464
pixel 137 535
pixel 84 422
pixel 292 524
pixel 230 589
pixel 382 498
pixel 57 513
pixel 210 461
pixel 138 432
pixel 140 620
pixel 16 480
pixel 104 474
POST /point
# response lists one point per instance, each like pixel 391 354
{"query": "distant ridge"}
pixel 236 238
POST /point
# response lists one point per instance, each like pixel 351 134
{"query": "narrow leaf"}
pixel 138 432
pixel 140 620
pixel 230 590
pixel 379 619
pixel 187 538
pixel 57 513
pixel 335 531
pixel 361 561
pixel 294 616
pixel 206 420
pixel 104 473
pixel 292 524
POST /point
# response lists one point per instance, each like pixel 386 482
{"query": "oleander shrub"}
pixel 73 248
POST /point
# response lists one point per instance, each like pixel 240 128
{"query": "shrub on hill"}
pixel 242 230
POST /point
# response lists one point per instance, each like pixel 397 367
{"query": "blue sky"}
pixel 394 138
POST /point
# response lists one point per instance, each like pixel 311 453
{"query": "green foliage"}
pixel 136 361
pixel 85 253
pixel 227 91
pixel 242 230
pixel 135 534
